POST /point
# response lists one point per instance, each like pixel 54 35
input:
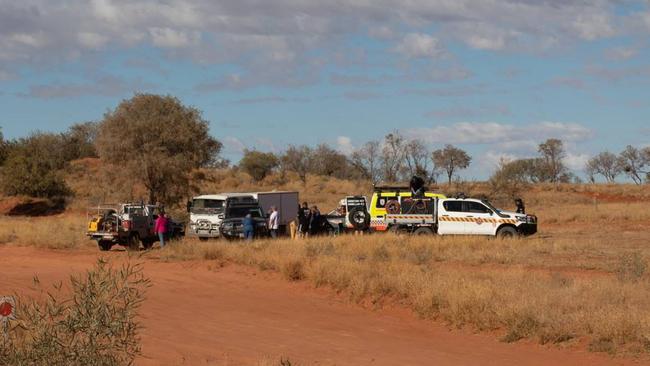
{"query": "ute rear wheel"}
pixel 147 244
pixel 507 232
pixel 423 231
pixel 104 245
pixel 134 242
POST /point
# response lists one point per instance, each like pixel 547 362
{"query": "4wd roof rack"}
pixel 395 188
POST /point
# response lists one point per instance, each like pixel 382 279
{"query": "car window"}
pixel 453 206
pixel 476 207
pixel 381 202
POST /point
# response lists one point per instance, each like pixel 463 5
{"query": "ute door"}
pixel 451 218
pixel 480 219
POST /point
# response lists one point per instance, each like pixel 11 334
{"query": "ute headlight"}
pixel 522 219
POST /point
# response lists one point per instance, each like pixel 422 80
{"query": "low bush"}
pixel 94 324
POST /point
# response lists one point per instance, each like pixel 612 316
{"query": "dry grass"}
pixel 440 279
pixel 54 232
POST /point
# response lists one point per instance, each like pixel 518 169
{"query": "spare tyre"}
pixel 359 218
pixel 393 207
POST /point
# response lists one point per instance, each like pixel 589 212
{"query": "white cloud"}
pixel 233 145
pixel 172 38
pixel 576 161
pixel 498 133
pixel 266 38
pixel 344 145
pixel 621 53
pixel 418 45
pixel 92 40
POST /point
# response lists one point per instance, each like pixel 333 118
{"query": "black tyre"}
pixel 203 238
pixel 104 245
pixel 147 244
pixel 423 231
pixel 359 218
pixel 134 242
pixel 507 232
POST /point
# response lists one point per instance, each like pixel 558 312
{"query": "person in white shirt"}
pixel 274 222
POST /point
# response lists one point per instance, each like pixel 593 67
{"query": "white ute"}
pixel 459 216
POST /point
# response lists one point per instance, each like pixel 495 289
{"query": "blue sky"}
pixel 495 77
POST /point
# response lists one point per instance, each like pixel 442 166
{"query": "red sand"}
pixel 198 315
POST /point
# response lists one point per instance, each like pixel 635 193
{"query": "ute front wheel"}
pixel 507 232
pixel 104 245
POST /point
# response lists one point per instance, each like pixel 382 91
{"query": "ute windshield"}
pixel 207 206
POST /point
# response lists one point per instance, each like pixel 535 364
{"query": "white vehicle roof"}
pixel 221 196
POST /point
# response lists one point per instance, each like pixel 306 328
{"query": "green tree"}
pixel 367 159
pixel 553 154
pixel 329 162
pixel 606 164
pixel 158 141
pixel 33 167
pixel 3 148
pixel 451 159
pixel 79 141
pixel 258 164
pixel 298 159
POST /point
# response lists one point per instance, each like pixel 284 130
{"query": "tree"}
pixel 511 177
pixel 553 154
pixel 634 162
pixel 606 164
pixel 258 164
pixel 451 159
pixel 33 167
pixel 392 156
pixel 298 159
pixel 158 141
pixel 79 141
pixel 329 162
pixel 367 161
pixel 3 148
pixel 416 157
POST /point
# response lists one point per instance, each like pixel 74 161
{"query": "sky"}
pixel 494 77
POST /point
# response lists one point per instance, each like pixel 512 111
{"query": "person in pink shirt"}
pixel 160 228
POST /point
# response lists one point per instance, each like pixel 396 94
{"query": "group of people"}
pixel 310 221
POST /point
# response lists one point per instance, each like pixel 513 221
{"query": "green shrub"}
pixel 94 323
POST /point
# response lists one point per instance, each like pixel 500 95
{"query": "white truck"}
pixel 453 216
pixel 207 212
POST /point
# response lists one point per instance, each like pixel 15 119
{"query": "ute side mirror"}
pixel 491 212
pixel 189 206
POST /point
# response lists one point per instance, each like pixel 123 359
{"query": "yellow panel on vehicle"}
pixel 93 224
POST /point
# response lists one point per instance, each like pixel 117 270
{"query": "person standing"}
pixel 249 227
pixel 274 222
pixel 314 221
pixel 304 218
pixel 160 227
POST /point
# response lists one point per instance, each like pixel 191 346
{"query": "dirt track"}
pixel 202 314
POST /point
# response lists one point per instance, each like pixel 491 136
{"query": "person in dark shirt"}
pixel 315 221
pixel 304 218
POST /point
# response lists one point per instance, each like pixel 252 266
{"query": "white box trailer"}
pixel 285 201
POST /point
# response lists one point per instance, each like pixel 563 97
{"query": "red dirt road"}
pixel 198 315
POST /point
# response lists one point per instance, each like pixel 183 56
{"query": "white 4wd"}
pixel 457 216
